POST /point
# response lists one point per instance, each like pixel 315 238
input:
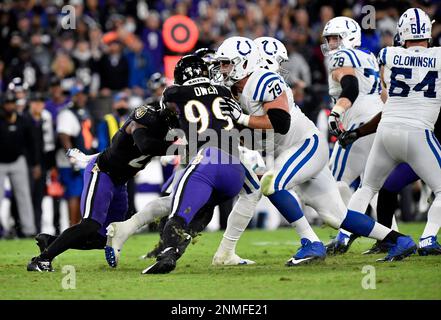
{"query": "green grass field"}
pixel 338 277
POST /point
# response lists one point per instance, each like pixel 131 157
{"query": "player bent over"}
pixel 215 174
pixel 104 196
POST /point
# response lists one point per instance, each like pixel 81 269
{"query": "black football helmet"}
pixel 190 67
pixel 208 55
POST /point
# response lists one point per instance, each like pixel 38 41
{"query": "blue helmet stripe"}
pixel 417 15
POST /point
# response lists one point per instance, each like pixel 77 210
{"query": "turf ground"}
pixel 338 277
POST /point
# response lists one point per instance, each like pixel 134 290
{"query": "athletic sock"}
pixel 304 229
pixel 288 206
pixel 392 236
pixel 387 204
pixel 363 225
pixel 238 221
pixel 433 219
pixel 72 237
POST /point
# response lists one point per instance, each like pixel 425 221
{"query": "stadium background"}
pixel 35 47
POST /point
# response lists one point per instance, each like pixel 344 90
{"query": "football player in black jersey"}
pixel 215 173
pixel 104 196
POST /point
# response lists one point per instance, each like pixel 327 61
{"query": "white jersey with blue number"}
pixel 412 77
pixel 367 71
pixel 264 86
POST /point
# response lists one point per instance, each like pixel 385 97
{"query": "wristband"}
pixel 244 119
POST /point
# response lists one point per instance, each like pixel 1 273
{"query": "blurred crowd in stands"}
pixel 62 87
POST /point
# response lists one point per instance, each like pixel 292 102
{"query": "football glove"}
pixel 231 108
pixel 347 137
pixel 334 124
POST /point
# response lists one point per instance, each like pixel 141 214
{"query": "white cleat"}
pixel 116 237
pixel 229 259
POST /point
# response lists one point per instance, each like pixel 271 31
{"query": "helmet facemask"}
pixel 328 48
pixel 227 70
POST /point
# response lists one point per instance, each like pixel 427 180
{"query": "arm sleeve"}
pixel 149 145
pixel 280 120
pixel 349 87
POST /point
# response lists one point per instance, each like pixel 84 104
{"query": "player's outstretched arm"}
pixel 349 85
pixel 277 115
pixel 348 137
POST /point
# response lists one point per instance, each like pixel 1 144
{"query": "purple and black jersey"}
pixel 123 159
pixel 200 117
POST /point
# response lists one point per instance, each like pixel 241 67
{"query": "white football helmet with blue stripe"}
pixel 239 57
pixel 347 29
pixel 414 24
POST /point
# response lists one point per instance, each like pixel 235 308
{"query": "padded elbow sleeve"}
pixel 280 120
pixel 349 87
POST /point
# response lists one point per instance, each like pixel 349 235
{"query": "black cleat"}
pixel 340 244
pixel 166 262
pixel 378 247
pixel 155 252
pixel 160 247
pixel 44 240
pixel 40 265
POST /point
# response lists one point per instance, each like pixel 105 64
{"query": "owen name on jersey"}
pixel 203 91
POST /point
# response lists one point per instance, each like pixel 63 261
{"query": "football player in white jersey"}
pixel 300 153
pixel 411 75
pixel 355 88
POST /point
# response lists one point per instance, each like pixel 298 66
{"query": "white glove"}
pixel 231 108
pixel 77 158
pixel 334 121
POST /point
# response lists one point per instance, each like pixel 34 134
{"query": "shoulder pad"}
pixel 267 87
pixel 344 58
pixel 144 115
pixel 171 93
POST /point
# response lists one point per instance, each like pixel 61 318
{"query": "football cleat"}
pixel 404 247
pixel 155 252
pixel 378 247
pixel 40 265
pixel 225 258
pixel 340 244
pixel 116 237
pixel 166 262
pixel 44 240
pixel 308 252
pixel 429 246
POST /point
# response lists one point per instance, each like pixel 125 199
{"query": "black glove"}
pixel 347 138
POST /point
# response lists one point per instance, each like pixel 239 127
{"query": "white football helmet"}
pixel 238 57
pixel 347 29
pixel 273 53
pixel 414 24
